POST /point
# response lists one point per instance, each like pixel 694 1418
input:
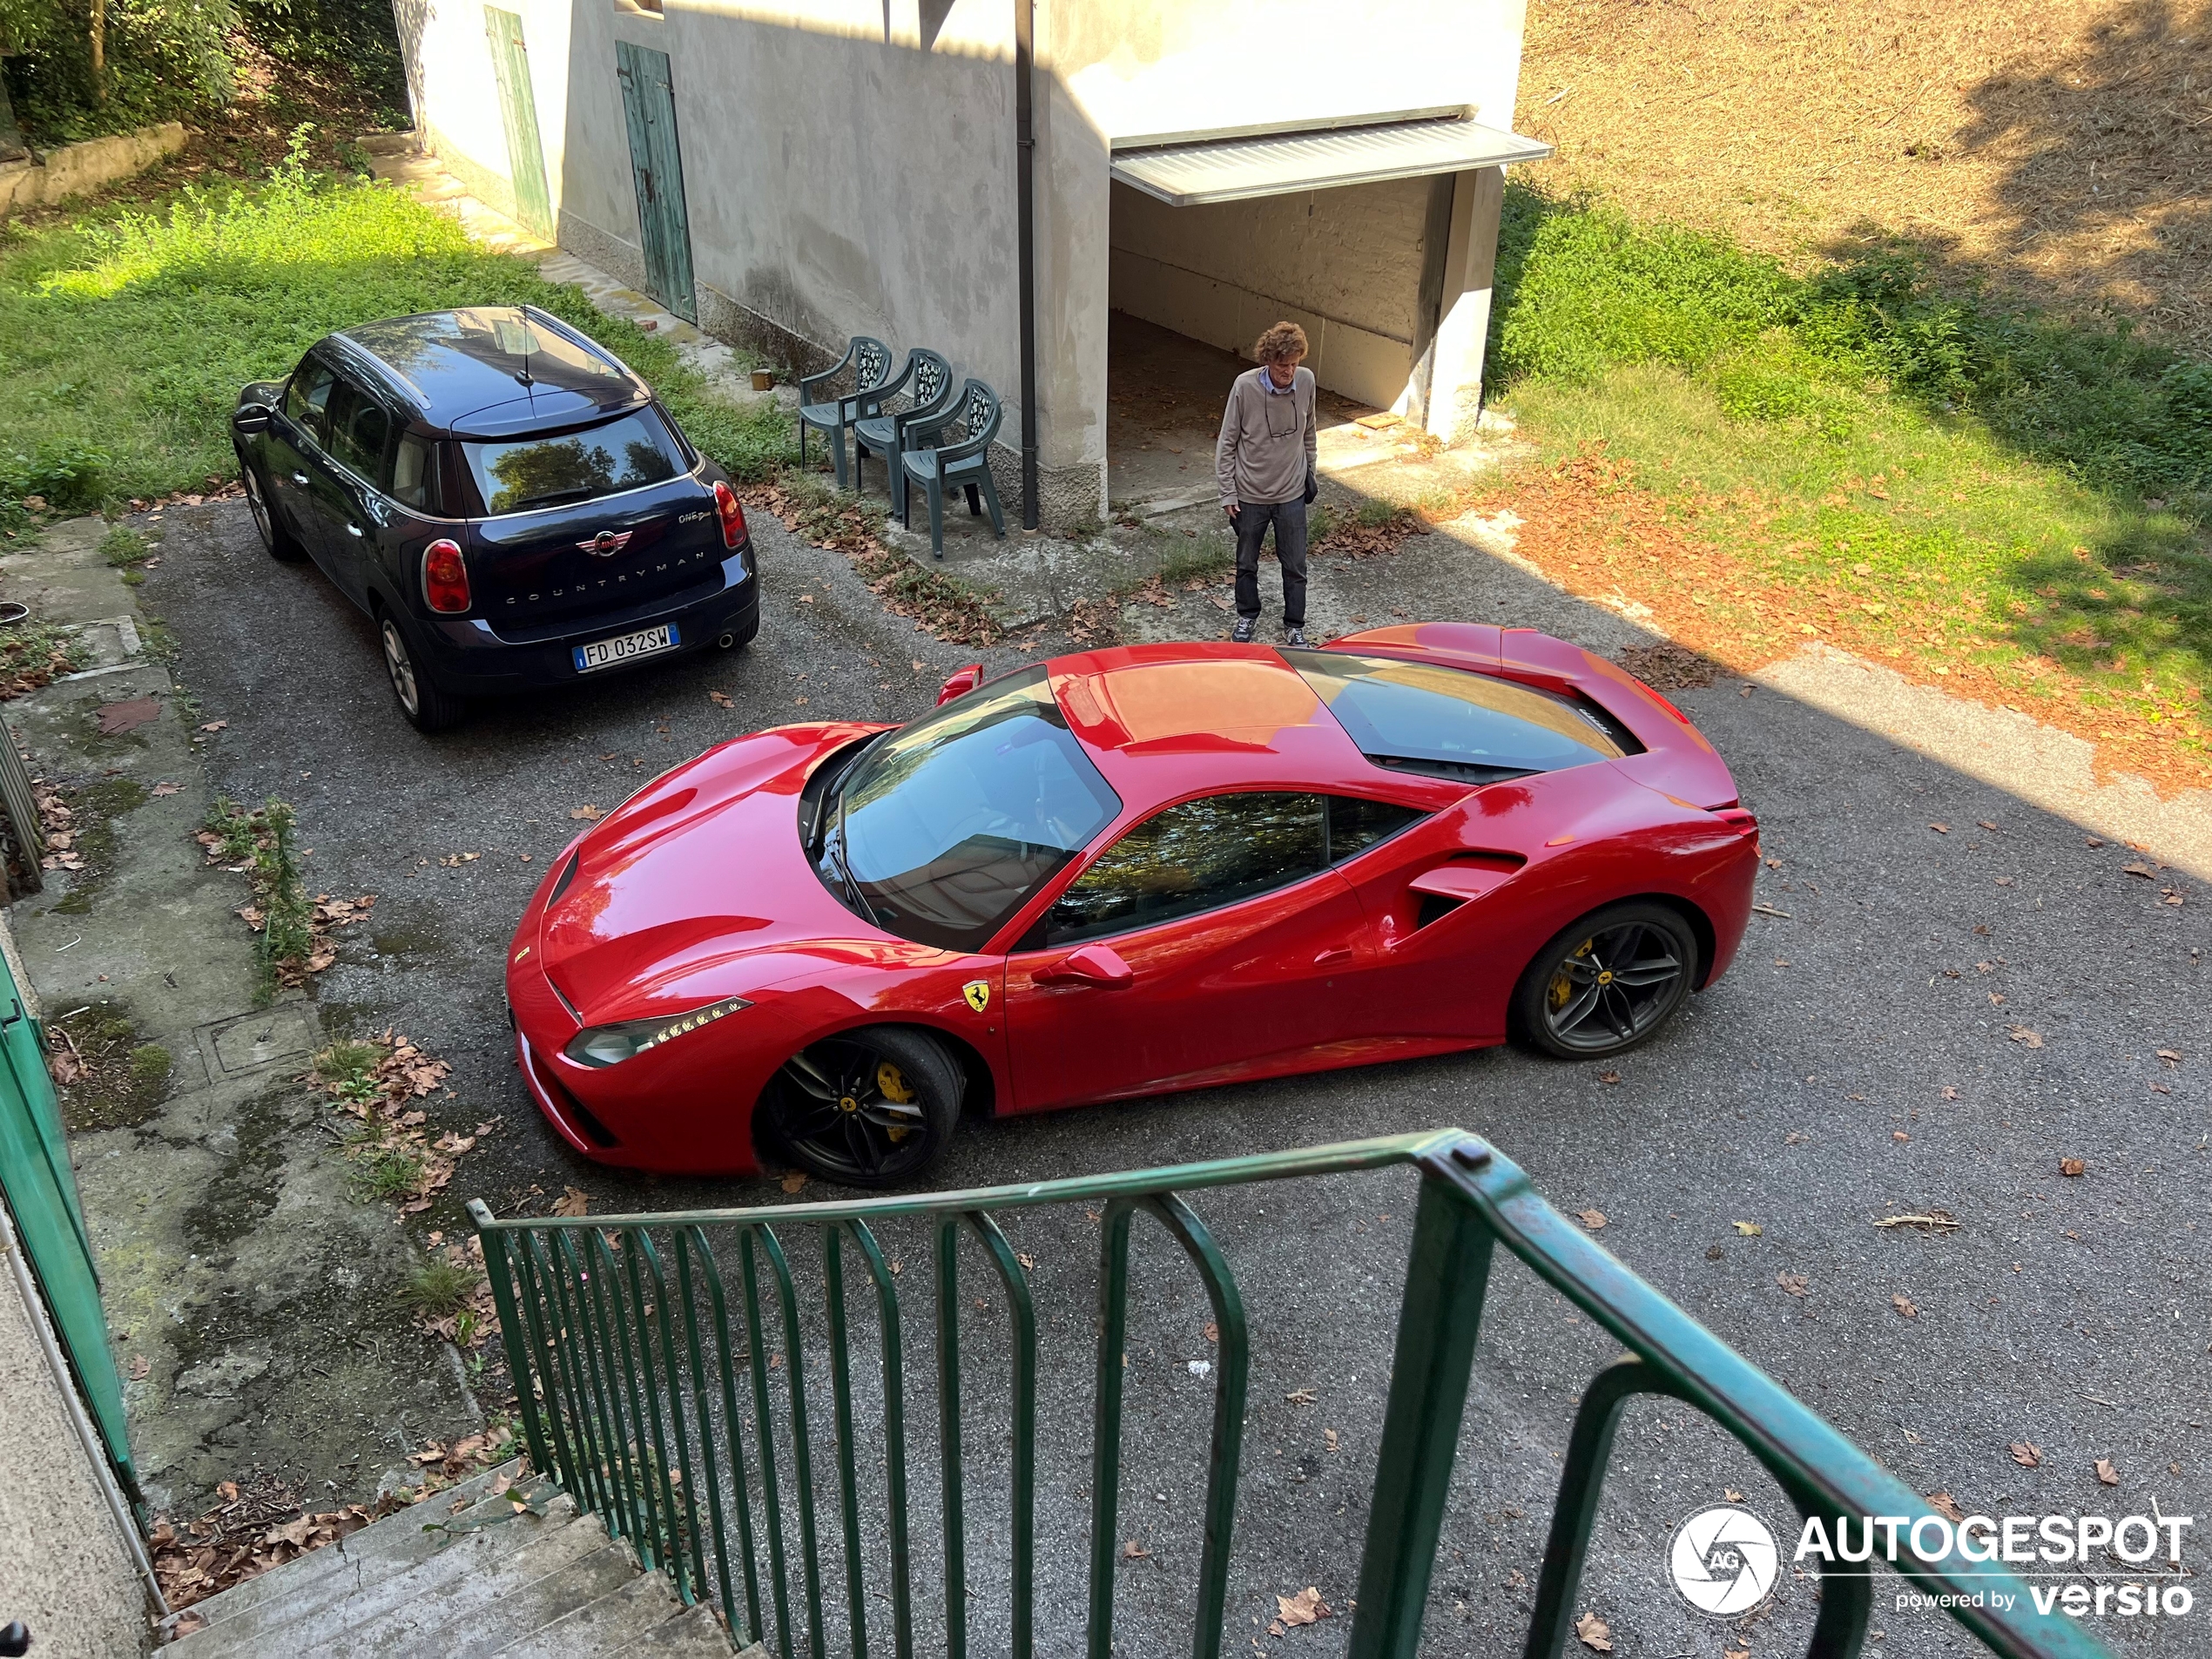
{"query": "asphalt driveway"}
pixel 1933 1022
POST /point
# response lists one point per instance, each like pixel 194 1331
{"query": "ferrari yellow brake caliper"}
pixel 893 1084
pixel 1562 988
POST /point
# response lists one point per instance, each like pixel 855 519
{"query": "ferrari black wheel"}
pixel 1607 983
pixel 871 1108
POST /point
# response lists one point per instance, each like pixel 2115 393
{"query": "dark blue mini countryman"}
pixel 505 499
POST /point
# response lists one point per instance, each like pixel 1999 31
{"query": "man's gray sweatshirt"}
pixel 1268 439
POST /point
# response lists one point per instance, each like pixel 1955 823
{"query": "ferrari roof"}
pixel 1182 700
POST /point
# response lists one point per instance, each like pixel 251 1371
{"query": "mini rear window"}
pixel 1453 722
pixel 522 475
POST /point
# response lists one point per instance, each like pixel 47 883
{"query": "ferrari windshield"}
pixel 943 829
pixel 1423 716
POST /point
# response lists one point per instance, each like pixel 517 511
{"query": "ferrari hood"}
pixel 701 869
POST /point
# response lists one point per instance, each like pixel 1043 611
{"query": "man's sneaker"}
pixel 1294 635
pixel 1242 633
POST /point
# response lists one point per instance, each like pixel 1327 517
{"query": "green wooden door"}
pixel 656 165
pixel 42 1197
pixel 510 61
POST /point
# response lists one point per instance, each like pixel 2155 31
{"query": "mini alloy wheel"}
pixel 869 1109
pixel 278 541
pixel 426 708
pixel 1608 982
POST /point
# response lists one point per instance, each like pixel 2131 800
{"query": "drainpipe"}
pixel 1025 242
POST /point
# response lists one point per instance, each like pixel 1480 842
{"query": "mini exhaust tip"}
pixel 728 639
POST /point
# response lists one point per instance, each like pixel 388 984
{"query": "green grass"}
pixel 437 1288
pixel 348 1069
pixel 387 1172
pixel 1961 477
pixel 125 336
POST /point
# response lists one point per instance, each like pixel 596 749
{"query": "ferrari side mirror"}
pixel 962 681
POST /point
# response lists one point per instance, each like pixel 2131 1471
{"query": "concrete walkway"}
pixel 249 1295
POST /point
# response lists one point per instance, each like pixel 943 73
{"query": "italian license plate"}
pixel 606 653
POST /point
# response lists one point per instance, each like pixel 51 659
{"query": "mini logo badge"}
pixel 1723 1561
pixel 605 544
pixel 978 992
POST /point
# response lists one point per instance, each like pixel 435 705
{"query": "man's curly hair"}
pixel 1283 343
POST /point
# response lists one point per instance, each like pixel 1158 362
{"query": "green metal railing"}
pixel 618 1333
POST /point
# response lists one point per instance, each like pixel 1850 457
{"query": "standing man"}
pixel 1265 463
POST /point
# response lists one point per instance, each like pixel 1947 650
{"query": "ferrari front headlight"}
pixel 610 1045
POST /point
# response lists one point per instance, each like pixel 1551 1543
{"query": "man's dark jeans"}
pixel 1251 522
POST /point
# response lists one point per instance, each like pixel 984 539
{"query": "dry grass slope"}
pixel 2062 151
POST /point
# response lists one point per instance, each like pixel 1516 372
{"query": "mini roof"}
pixel 526 366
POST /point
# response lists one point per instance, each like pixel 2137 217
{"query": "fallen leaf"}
pixel 2107 1475
pixel 1950 1093
pixel 2072 1166
pixel 1305 1608
pixel 1903 1304
pixel 2169 1056
pixel 2025 1038
pixel 586 813
pixel 1330 1435
pixel 1749 1229
pixel 1133 1551
pixel 1299 1397
pixel 1594 1633
pixel 162 789
pixel 139 1366
pixel 1608 1076
pixel 1940 829
pixel 1946 1505
pixel 2137 868
pixel 1793 1283
pixel 1899 1135
pixel 1984 824
pixel 720 699
pixel 1593 1219
pixel 2028 1454
pixel 573 1202
pixel 214 726
pixel 1731 1494
pixel 1213 1331
pixel 1026 1259
pixel 793 1179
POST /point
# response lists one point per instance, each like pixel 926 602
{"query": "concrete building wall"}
pixel 63 1570
pixel 849 164
pixel 1344 265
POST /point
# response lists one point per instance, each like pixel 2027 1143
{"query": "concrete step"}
pixel 385 1546
pixel 693 1634
pixel 443 1615
pixel 321 1615
pixel 608 1625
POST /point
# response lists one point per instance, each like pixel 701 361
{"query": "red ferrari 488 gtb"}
pixel 1122 873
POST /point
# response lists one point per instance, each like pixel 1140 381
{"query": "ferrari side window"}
pixel 1356 824
pixel 1201 855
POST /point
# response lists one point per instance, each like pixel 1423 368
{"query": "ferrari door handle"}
pixel 1093 965
pixel 1337 953
pixel 298 477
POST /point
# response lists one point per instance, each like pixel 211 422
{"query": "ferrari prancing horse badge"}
pixel 978 992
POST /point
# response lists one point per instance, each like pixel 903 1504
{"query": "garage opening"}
pixel 1368 235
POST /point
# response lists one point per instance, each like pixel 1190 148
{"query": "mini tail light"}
pixel 731 511
pixel 445 577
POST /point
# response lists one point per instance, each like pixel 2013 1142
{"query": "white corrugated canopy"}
pixel 1231 169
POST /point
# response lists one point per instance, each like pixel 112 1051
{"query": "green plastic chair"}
pixel 927 382
pixel 870 361
pixel 962 463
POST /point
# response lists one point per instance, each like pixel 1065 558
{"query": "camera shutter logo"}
pixel 1723 1561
